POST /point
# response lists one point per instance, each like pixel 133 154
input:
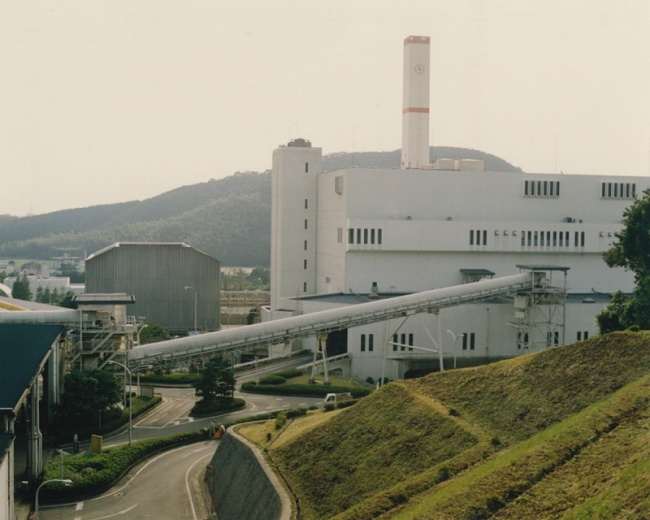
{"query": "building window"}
pixel 304 287
pixel 379 236
pixel 471 237
pixel 411 341
pixel 616 190
pixel 306 224
pixel 522 340
pixel 363 342
pixel 469 340
pixel 358 235
pixel 372 236
pixel 306 204
pixel 395 342
pixel 306 167
pixel 403 342
pixel 350 236
pixel 542 189
pixel 304 263
pixel 338 184
pixel 305 245
pixel 365 236
pixel 371 342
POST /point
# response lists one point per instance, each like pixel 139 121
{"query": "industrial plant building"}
pixel 344 237
pixel 174 284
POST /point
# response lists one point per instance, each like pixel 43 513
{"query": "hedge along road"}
pixel 188 462
pixel 165 486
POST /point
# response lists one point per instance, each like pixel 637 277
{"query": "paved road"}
pixel 169 485
pixel 165 487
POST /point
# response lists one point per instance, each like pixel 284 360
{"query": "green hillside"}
pixel 564 433
pixel 228 218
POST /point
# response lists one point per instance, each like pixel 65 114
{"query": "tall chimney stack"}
pixel 415 111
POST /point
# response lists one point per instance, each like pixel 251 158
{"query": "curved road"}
pixel 170 484
pixel 166 486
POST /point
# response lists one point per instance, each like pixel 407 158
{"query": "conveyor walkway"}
pixel 287 329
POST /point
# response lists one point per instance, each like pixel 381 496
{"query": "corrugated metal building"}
pixel 173 283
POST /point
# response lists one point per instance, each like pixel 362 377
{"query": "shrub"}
pixel 289 374
pixel 204 407
pixel 297 412
pixel 280 420
pixel 273 380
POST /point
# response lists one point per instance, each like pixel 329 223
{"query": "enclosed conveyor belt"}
pixel 68 317
pixel 286 329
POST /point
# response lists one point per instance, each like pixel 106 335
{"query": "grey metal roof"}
pixel 9 304
pixel 23 348
pixel 543 267
pixel 477 272
pixel 110 298
pixel 139 244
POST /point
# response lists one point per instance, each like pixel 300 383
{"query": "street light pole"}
pixel 455 338
pixel 195 306
pixel 66 481
pixel 130 398
pixel 140 330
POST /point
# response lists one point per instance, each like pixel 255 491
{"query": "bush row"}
pixel 305 390
pixel 94 473
pixel 204 407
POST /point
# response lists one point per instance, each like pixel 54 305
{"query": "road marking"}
pixel 187 484
pixel 197 451
pixel 119 513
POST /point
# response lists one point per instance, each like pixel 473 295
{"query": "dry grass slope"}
pixel 559 434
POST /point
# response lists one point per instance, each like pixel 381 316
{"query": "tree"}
pixel 67 301
pixel 153 333
pixel 217 381
pixel 88 396
pixel 631 251
pixel 21 290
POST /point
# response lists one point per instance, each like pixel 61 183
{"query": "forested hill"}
pixel 229 218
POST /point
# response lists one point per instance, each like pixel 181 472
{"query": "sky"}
pixel 110 101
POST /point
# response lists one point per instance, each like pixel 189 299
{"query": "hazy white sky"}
pixel 108 101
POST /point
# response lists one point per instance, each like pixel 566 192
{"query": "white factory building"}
pixel 342 237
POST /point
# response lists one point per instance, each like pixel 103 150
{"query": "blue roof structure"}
pixel 22 351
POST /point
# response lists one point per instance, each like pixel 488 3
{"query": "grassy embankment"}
pixel 564 433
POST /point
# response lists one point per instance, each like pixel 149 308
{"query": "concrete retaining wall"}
pixel 245 487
